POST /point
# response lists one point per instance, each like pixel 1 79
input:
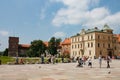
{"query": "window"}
pixel 89 52
pixel 98 37
pixel 81 45
pixel 91 44
pixel 100 52
pixel 72 46
pixel 98 44
pixel 108 45
pixel 88 37
pixel 88 45
pixel 73 53
pixel 91 37
pixel 78 45
pixel 79 52
pixel 115 48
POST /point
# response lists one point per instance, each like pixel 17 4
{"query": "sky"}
pixel 42 19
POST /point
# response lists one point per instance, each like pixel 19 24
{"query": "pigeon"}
pixel 109 72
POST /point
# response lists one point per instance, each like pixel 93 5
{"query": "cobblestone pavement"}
pixel 61 71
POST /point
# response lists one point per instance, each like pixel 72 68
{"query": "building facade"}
pixel 94 42
pixel 13 46
pixel 66 46
pixel 22 49
pixel 118 45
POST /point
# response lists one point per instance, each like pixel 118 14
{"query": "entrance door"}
pixel 110 54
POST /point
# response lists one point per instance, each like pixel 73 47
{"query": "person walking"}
pixel 108 61
pixel 90 62
pixel 80 62
pixel 100 60
pixel 42 59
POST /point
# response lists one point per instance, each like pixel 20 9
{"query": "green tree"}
pixel 5 53
pixel 54 45
pixel 36 49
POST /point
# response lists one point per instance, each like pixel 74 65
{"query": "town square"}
pixel 59 40
pixel 60 71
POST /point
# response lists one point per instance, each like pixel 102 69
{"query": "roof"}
pixel 93 30
pixel 106 27
pixel 24 45
pixel 46 43
pixel 28 45
pixel 118 36
pixel 66 41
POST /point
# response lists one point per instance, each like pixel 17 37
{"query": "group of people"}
pixel 108 60
pixel 82 61
pixel 51 59
pixel 19 61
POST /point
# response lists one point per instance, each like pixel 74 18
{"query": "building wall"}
pixel 22 52
pixel 104 43
pixel 93 44
pixel 117 44
pixel 13 46
pixel 66 49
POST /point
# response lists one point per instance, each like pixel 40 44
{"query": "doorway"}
pixel 110 54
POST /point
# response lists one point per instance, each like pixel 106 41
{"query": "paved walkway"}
pixel 61 71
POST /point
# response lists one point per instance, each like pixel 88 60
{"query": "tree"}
pixel 53 45
pixel 1 53
pixel 36 49
pixel 5 53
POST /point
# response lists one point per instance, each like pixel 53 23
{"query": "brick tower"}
pixel 13 46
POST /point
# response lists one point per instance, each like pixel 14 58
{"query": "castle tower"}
pixel 13 46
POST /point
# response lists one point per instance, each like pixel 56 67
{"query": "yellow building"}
pixel 94 42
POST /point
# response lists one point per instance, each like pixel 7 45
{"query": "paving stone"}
pixel 61 71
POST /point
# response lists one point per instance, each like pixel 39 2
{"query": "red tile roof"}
pixel 46 43
pixel 24 45
pixel 67 41
pixel 28 45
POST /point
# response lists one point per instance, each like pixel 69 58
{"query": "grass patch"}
pixel 5 59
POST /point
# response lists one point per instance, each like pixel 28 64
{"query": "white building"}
pixel 93 42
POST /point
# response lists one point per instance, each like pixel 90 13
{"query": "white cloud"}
pixel 82 12
pixel 42 14
pixel 43 10
pixel 59 34
pixel 4 33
